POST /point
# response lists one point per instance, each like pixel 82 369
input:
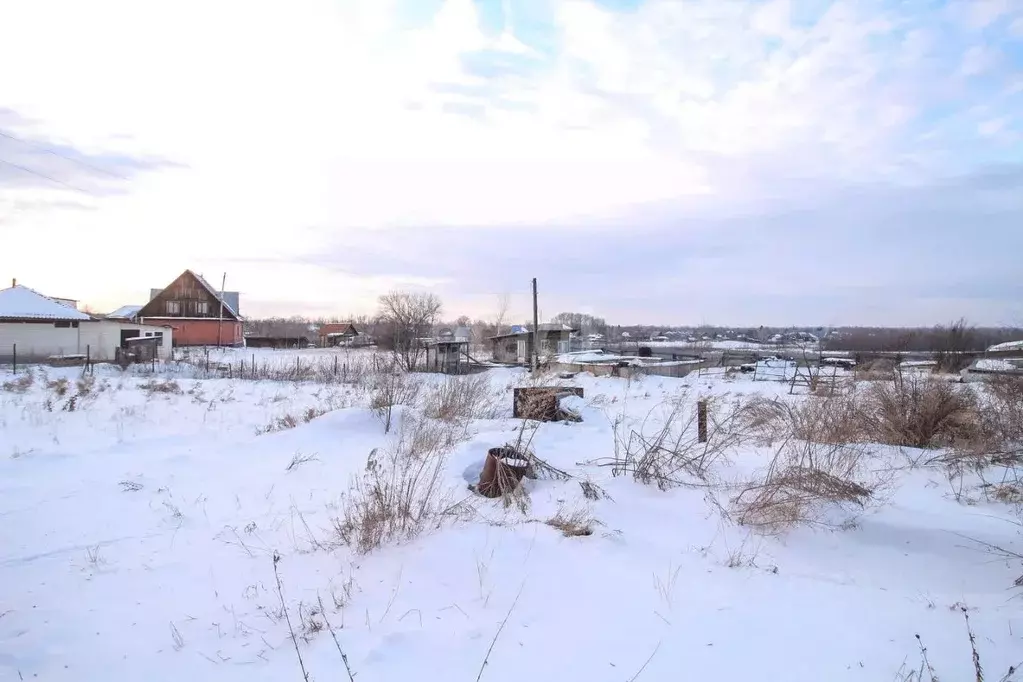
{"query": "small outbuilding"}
pixel 449 352
pixel 516 347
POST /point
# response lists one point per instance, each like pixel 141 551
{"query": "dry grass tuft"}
pixel 882 369
pixel 573 524
pixel 1008 493
pixel 592 491
pixel 400 494
pixel 819 466
pixel 281 423
pixel 919 411
pixel 463 398
pixel 59 386
pixel 20 384
pixel 85 385
pixel 390 388
pixel 165 386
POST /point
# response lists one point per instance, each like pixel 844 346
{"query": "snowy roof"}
pixel 1008 345
pixel 21 303
pixel 125 312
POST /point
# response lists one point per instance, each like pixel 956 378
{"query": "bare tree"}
pixel 951 344
pixel 503 303
pixel 405 318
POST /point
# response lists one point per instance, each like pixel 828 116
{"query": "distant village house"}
pixel 339 334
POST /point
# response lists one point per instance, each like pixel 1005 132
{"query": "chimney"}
pixel 14 282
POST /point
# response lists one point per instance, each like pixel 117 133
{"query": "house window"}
pixel 158 336
pixel 202 308
pixel 512 347
pixel 173 307
pixel 149 333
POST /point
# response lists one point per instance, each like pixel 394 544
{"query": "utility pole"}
pixel 220 319
pixel 536 331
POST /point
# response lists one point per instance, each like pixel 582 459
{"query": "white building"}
pixel 35 328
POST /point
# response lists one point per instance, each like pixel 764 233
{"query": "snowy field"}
pixel 141 517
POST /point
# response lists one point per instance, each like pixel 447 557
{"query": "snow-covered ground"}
pixel 138 526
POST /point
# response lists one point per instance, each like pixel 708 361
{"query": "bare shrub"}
pixel 400 494
pixel 578 523
pixel 819 465
pixel 59 386
pixel 592 491
pixel 393 387
pixel 299 459
pixel 918 411
pixel 1001 416
pixel 665 449
pixel 834 420
pixel 463 398
pixel 19 385
pixel 165 386
pixel 951 343
pixel 804 481
pixel 85 385
pixel 881 369
pixel 281 423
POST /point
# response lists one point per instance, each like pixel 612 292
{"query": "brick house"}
pixel 196 312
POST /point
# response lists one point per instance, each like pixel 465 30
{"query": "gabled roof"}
pixel 21 303
pixel 338 328
pixel 233 309
pixel 230 298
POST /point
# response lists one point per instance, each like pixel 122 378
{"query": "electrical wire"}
pixel 44 176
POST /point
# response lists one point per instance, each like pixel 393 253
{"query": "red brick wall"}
pixel 204 332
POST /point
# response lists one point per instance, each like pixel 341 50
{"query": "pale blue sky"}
pixel 723 161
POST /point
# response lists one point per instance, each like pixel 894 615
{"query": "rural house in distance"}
pixel 516 347
pixel 194 309
pixel 338 334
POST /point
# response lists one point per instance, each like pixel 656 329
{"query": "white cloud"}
pixel 304 124
pixel 977 60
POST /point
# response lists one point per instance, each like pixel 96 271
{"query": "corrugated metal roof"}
pixel 125 312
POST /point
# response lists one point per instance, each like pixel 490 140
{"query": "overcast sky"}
pixel 664 161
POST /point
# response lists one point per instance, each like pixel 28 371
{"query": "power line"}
pixel 44 176
pixel 61 156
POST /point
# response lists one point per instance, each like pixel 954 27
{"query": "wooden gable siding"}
pixel 184 298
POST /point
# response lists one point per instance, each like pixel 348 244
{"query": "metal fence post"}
pixel 14 360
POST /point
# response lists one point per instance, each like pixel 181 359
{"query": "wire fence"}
pixel 18 357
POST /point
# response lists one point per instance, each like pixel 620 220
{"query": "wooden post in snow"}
pixel 701 420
